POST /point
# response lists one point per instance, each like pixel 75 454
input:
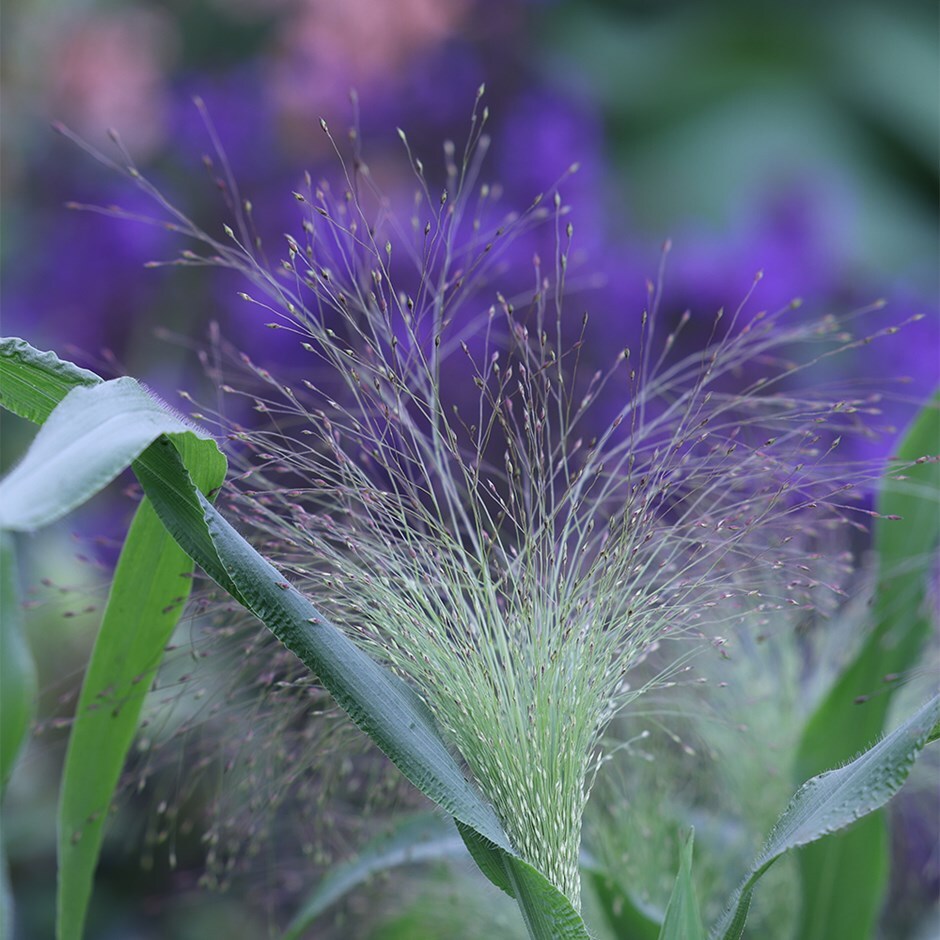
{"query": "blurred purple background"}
pixel 798 141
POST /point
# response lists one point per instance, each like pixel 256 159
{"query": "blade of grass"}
pixel 85 440
pixel 844 878
pixel 834 800
pixel 151 584
pixel 380 703
pixel 17 669
pixel 683 920
pixel 83 444
pixel 384 706
pixel 17 700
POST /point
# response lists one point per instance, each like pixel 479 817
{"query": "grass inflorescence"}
pixel 512 530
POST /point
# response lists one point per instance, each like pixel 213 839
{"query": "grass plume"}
pixel 512 531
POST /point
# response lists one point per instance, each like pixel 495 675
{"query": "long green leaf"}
pixel 151 585
pixel 17 669
pixel 844 878
pixel 834 800
pixel 151 582
pixel 683 920
pixel 384 706
pixel 17 700
pixel 380 703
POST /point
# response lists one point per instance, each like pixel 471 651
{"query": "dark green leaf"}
pixel 380 703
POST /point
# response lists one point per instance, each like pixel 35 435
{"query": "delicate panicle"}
pixel 506 522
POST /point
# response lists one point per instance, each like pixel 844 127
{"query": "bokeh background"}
pixel 800 139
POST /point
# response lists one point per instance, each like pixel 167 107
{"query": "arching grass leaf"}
pixel 834 800
pixel 85 441
pixel 380 703
pixel 844 879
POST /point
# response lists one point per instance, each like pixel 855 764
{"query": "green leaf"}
pixel 151 585
pixel 683 920
pixel 88 437
pixel 843 879
pixel 834 800
pixel 34 382
pixel 384 706
pixel 17 669
pixel 488 857
pixel 17 700
pixel 87 440
pixel 547 913
pixel 423 838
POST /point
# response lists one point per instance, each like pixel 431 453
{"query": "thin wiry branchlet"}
pixel 507 550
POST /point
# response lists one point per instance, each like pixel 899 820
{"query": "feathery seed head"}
pixel 501 519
